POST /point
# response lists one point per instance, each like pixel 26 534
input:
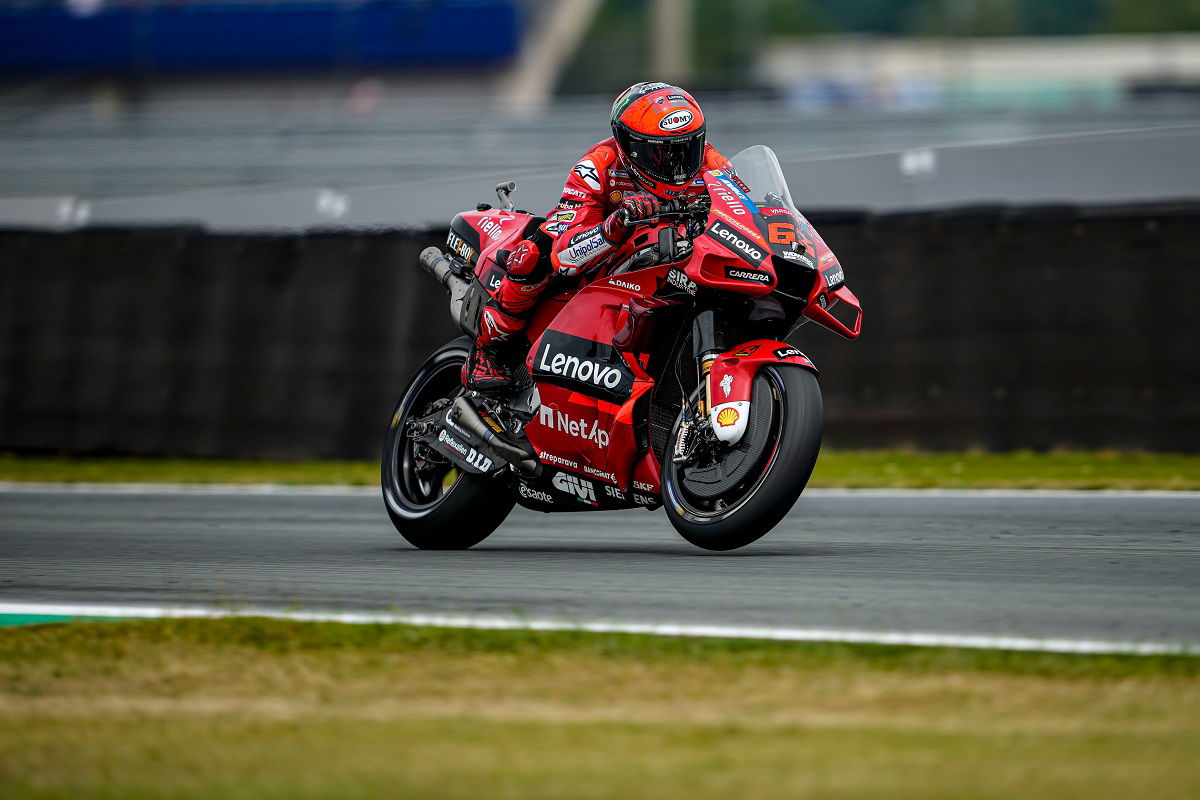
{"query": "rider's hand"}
pixel 621 223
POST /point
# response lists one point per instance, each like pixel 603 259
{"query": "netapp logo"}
pixel 559 421
pixel 591 367
pixel 580 488
pixel 730 238
pixel 534 494
pixel 752 275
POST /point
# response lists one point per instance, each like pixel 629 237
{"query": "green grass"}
pixel 835 468
pixel 263 708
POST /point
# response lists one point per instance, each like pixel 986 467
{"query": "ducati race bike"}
pixel 663 382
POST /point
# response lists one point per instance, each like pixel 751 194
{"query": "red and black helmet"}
pixel 659 131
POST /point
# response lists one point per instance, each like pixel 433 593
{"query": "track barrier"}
pixel 992 327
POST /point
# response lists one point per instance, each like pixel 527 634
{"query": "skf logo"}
pixel 727 417
pixel 582 489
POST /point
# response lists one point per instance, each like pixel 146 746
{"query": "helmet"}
pixel 659 131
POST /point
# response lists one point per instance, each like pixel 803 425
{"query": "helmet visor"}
pixel 675 160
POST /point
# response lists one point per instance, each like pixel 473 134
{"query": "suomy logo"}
pixel 676 120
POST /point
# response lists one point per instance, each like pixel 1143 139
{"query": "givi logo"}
pixel 569 484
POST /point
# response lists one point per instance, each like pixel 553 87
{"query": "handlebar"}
pixel 673 208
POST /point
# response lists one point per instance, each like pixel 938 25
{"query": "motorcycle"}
pixel 663 382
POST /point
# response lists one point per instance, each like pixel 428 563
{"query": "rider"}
pixel 655 154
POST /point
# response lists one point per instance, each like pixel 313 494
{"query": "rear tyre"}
pixel 782 461
pixel 432 504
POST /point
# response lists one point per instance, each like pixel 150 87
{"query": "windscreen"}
pixel 758 168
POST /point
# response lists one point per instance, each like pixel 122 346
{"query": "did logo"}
pixel 579 487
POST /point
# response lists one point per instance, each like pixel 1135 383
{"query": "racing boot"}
pixel 497 348
pixel 489 366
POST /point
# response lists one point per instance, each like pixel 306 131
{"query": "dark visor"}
pixel 674 160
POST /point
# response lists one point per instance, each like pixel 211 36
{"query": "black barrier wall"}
pixel 984 327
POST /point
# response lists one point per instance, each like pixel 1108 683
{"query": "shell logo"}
pixel 727 417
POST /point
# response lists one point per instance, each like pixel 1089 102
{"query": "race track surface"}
pixel 1110 566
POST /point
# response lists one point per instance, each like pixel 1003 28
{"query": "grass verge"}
pixel 269 708
pixel 835 468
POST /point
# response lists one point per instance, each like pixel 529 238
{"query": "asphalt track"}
pixel 1083 565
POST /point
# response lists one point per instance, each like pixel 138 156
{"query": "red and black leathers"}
pixel 578 236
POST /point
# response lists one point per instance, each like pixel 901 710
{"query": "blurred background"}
pixel 211 210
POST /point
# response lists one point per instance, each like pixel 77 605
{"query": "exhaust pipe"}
pixel 465 415
pixel 467 297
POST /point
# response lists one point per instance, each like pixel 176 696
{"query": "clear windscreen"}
pixel 758 168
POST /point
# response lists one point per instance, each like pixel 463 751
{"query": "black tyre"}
pixel 774 461
pixel 432 504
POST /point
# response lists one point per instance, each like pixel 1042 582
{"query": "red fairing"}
pixel 589 388
pixel 731 255
pixel 732 374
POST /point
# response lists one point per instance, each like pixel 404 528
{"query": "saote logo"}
pixel 534 494
pixel 559 421
pixel 730 238
pixel 590 367
pixel 581 488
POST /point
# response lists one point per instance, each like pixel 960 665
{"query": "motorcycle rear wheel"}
pixel 433 506
pixel 783 465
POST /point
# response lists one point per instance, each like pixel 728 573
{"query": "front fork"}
pixel 705 349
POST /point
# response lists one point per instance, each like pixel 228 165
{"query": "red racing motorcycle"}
pixel 664 382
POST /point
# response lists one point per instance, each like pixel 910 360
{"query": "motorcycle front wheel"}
pixel 774 461
pixel 433 505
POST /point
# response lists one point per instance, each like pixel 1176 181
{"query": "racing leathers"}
pixel 579 235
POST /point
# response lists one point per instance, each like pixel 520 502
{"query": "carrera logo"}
pixel 676 120
pixel 727 417
pixel 736 243
pixel 557 420
pixel 751 275
pixel 590 367
pixel 788 352
pixel 586 170
pixel 534 494
pixel 679 279
pixel 579 487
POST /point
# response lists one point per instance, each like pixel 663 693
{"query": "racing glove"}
pixel 618 225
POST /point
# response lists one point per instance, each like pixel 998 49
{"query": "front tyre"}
pixel 778 461
pixel 432 504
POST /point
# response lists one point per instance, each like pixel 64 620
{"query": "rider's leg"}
pixel 496 348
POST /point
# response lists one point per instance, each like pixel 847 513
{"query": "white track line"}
pixel 317 490
pixel 498 622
